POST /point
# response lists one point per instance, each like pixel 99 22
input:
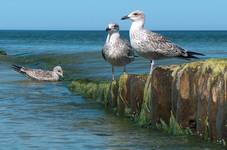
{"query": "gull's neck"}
pixel 108 38
pixel 113 37
pixel 137 25
pixel 55 75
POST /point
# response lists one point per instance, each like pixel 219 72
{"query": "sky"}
pixel 96 14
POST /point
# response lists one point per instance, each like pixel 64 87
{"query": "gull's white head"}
pixel 135 16
pixel 112 28
pixel 58 70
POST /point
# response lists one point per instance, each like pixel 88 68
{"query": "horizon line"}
pixel 99 30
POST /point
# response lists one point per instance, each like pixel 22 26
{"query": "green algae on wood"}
pixel 125 96
pixel 173 127
pixel 199 92
pixel 145 116
pixel 130 94
pixel 195 93
pixel 102 92
pixel 91 89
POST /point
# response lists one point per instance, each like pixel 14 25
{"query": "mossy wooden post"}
pixel 123 98
pixel 130 98
pixel 220 118
pixel 136 85
pixel 145 116
pixel 203 94
pixel 196 93
pixel 161 97
pixel 113 95
pixel 187 101
pixel 174 89
pixel 92 89
pixel 224 123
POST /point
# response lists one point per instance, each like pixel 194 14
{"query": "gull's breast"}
pixel 115 55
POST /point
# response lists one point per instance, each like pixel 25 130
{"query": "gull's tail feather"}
pixel 18 68
pixel 190 54
pixel 194 53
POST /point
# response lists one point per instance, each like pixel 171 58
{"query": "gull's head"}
pixel 135 16
pixel 58 70
pixel 112 28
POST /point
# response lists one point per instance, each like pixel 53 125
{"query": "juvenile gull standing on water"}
pixel 116 51
pixel 151 45
pixel 41 75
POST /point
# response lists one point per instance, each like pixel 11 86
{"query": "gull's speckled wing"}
pixel 104 49
pixel 39 74
pixel 128 49
pixel 160 44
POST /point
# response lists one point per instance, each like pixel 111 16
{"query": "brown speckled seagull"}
pixel 117 51
pixel 41 75
pixel 151 45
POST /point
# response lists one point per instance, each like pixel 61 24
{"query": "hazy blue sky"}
pixel 95 14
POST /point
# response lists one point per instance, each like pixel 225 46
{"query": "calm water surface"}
pixel 40 115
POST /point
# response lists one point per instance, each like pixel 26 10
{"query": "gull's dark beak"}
pixel 124 18
pixel 108 29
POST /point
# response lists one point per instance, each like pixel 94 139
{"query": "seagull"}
pixel 151 45
pixel 117 51
pixel 41 75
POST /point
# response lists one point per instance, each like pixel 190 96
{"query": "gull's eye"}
pixel 116 26
pixel 136 14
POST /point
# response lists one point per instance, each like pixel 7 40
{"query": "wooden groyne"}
pixel 194 94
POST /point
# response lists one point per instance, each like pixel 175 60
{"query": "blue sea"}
pixel 81 50
pixel 213 43
pixel 40 115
